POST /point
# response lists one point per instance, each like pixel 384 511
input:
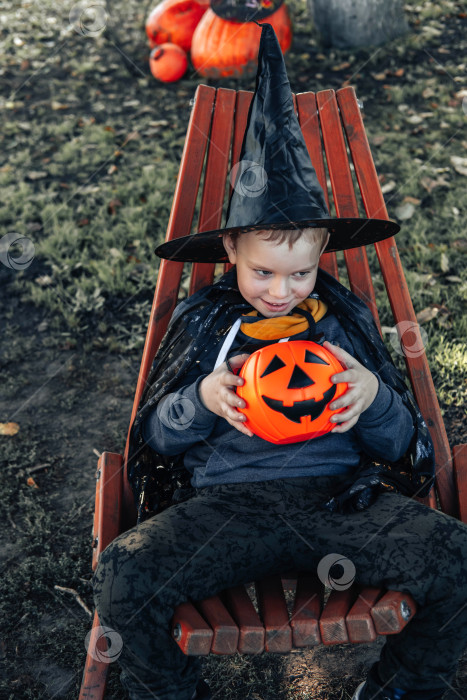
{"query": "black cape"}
pixel 201 322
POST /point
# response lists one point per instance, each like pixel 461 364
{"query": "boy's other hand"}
pixel 218 394
pixel 362 389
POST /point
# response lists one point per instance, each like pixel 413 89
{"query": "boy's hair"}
pixel 291 236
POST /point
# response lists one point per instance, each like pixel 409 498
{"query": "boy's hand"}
pixel 363 387
pixel 218 395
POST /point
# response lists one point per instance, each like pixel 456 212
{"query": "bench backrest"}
pixel 336 140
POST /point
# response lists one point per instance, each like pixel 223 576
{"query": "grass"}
pixel 88 168
pixel 96 255
pixel 41 551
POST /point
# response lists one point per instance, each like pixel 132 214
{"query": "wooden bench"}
pixel 230 622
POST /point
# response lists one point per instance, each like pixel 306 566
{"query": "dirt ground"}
pixel 70 362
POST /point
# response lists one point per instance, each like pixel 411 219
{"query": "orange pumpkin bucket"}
pixel 288 390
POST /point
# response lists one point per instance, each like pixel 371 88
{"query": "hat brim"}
pixel 344 234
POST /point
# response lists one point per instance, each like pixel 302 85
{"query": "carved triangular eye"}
pixel 315 359
pixel 299 379
pixel 275 364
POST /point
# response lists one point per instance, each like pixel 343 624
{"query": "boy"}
pixel 260 508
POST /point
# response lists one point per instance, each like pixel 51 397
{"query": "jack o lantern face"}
pixel 288 389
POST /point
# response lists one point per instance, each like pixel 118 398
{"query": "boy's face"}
pixel 272 277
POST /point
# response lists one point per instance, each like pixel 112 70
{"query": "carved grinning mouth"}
pixel 310 407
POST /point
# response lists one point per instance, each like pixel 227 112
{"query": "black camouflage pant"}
pixel 236 533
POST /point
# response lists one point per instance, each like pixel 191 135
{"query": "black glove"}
pixel 361 490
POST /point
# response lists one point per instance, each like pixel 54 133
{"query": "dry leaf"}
pixel 388 187
pixel 399 72
pixel 131 137
pixel 444 322
pixel 444 262
pixel 30 482
pixel 414 119
pixel 43 280
pixel 405 211
pixel 36 174
pixel 341 66
pixel 459 164
pixel 460 244
pixel 378 140
pixel 453 278
pixel 412 200
pixel 9 428
pixel 427 314
pixel 429 184
pixel 159 122
pixel 379 76
pixel 113 205
pixel 113 169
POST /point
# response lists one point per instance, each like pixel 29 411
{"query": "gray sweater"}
pixel 217 453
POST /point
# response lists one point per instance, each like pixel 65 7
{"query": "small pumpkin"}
pixel 174 21
pixel 221 48
pixel 288 389
pixel 168 62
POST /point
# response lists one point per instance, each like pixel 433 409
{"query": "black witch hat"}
pixel 276 186
pixel 244 10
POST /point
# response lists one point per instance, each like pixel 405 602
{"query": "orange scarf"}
pixel 284 326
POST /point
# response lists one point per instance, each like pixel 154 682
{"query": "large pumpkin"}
pixel 174 21
pixel 221 48
pixel 288 389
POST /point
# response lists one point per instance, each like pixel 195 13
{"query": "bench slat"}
pixel 332 622
pixel 215 177
pixel 95 672
pixel 399 298
pixel 244 99
pixel 309 122
pixel 252 633
pixel 392 612
pixel 273 611
pixel 344 195
pixel 306 611
pixel 225 638
pixel 192 634
pixel 108 502
pixel 360 626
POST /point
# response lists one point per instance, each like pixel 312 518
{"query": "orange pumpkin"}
pixel 168 62
pixel 221 48
pixel 288 389
pixel 174 21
